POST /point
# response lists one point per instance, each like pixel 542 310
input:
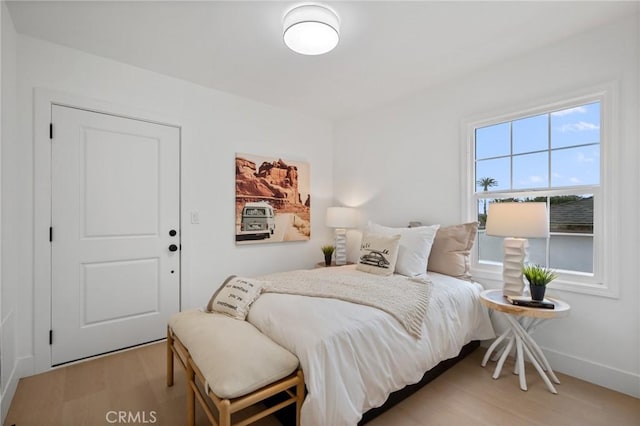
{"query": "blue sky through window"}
pixel 531 134
pixel 569 139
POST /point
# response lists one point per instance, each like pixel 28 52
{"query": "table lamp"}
pixel 516 222
pixel 341 218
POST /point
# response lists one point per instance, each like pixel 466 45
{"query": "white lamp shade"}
pixel 518 220
pixel 311 29
pixel 341 217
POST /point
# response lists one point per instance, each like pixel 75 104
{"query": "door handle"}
pixel 173 247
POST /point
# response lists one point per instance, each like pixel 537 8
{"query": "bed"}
pixel 354 356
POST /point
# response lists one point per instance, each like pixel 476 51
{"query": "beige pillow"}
pixel 451 248
pixel 378 254
pixel 235 296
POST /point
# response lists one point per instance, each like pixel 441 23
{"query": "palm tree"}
pixel 486 183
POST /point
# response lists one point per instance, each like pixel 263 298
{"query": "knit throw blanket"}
pixel 406 299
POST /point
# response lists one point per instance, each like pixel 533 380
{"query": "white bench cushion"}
pixel 234 357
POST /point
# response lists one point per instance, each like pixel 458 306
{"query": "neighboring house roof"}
pixel 574 215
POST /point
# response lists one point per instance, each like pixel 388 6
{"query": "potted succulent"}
pixel 328 253
pixel 538 278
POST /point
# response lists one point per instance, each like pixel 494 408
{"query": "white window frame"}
pixel 604 280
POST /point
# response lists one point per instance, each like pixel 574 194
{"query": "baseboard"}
pixel 26 366
pixel 7 396
pixel 593 372
pixel 22 368
pixel 589 371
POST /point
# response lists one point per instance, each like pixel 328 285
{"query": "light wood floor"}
pixel 134 381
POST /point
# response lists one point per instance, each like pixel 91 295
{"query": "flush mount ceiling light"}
pixel 311 29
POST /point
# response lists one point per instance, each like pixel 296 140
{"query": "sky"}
pixel 573 135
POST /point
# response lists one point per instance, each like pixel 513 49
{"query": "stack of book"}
pixel 526 301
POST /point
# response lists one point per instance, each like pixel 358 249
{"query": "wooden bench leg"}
pixel 299 396
pixel 169 358
pixel 191 395
pixel 225 413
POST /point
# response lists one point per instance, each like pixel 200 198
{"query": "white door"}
pixel 115 217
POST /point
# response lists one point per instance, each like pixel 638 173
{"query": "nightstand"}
pixel 333 263
pixel 522 323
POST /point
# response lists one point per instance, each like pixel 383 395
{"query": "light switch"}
pixel 195 217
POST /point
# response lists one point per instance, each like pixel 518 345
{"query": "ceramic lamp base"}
pixel 341 246
pixel 515 255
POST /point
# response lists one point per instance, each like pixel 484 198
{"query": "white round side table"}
pixel 522 323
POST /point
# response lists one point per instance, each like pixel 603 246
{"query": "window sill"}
pixel 493 272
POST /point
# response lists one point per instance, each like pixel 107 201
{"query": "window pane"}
pixel 573 252
pixel 576 126
pixel 575 166
pixel 496 169
pixel 571 214
pixel 493 141
pixel 557 149
pixel 489 248
pixel 531 134
pixel 481 210
pixel 531 171
pixel 537 251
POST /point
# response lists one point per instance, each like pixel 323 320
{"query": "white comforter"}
pixel 354 356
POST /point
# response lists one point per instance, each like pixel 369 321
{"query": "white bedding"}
pixel 354 356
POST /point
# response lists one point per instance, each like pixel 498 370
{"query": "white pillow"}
pixel 378 254
pixel 234 297
pixel 415 246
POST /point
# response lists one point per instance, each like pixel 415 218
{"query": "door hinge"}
pixel 50 233
pixel 50 130
pixel 51 337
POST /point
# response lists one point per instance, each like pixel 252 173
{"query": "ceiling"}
pixel 387 50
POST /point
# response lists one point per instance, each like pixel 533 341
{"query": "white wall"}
pixel 8 283
pixel 215 126
pixel 2 392
pixel 403 162
pixel 400 163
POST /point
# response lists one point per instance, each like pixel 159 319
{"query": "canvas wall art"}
pixel 273 203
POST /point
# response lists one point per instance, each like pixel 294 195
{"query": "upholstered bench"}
pixel 235 364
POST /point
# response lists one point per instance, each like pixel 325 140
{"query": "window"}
pixel 550 154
